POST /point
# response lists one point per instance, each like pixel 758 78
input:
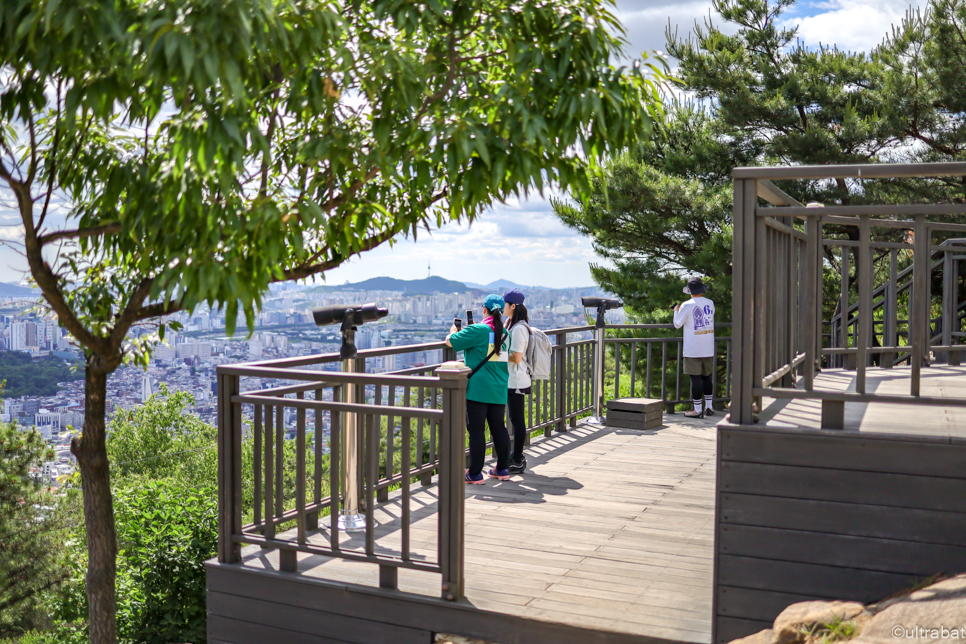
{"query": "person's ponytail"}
pixel 497 330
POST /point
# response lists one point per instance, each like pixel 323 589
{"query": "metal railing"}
pixel 655 365
pixel 779 259
pixel 892 329
pixel 353 457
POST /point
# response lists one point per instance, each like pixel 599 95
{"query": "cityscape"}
pixel 284 328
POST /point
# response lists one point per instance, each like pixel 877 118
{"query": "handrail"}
pixel 326 475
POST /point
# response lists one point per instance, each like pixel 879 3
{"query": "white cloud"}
pixel 11 232
pixel 645 22
pixel 851 25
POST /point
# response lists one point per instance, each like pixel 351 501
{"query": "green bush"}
pixel 166 531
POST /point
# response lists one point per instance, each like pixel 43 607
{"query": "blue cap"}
pixel 493 302
pixel 514 296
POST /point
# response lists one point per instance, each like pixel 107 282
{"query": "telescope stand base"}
pixel 347 522
pixel 352 522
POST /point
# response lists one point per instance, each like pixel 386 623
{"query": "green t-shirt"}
pixel 489 384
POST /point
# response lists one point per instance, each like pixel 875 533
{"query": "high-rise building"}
pixel 18 336
pixel 147 388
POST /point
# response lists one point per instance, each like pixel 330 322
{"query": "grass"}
pixel 838 630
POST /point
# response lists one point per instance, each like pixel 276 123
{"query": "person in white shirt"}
pixel 519 383
pixel 697 317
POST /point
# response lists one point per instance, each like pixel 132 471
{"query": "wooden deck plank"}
pixel 936 381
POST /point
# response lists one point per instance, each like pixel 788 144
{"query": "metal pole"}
pixel 350 519
pixel 599 366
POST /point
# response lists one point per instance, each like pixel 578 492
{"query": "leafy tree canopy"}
pixel 162 439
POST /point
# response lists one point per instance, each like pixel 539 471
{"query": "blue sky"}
pixel 524 241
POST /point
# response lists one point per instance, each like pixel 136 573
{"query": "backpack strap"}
pixel 486 359
pixel 530 334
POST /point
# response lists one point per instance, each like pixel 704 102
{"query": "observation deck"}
pixel 838 473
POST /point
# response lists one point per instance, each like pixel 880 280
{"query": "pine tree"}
pixel 761 97
pixel 31 527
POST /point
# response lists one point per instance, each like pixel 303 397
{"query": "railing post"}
pixel 561 376
pixel 452 441
pixel 229 469
pixel 950 308
pixel 744 289
pixel 350 518
pixel 918 317
pixel 890 323
pixel 863 268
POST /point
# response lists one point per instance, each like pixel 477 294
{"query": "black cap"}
pixel 695 286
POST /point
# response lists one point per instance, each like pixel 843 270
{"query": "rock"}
pixel 934 614
pixel 795 622
pixel 766 636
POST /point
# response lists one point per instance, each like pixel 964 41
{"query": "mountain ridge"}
pixel 432 284
pixel 8 289
pixel 426 285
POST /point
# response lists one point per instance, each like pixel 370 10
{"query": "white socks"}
pixel 697 405
pixel 707 401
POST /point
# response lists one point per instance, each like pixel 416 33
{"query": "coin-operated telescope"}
pixel 601 304
pixel 350 517
pixel 350 317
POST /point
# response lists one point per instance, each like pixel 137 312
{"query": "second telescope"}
pixel 358 314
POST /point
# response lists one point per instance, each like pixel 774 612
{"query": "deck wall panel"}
pixel 813 514
pixel 392 613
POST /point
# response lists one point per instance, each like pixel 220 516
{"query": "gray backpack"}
pixel 539 350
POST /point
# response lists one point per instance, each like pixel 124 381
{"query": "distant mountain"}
pixel 14 290
pixel 505 285
pixel 426 285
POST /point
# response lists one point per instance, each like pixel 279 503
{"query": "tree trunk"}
pixel 91 452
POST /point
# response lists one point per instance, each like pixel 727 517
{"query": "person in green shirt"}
pixel 486 391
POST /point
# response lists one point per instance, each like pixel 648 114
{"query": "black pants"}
pixel 478 415
pixel 701 386
pixel 516 403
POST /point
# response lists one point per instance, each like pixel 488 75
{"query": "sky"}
pixel 523 241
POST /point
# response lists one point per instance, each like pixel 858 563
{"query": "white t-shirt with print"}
pixel 519 373
pixel 697 317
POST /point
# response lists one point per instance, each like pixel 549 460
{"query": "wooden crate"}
pixel 635 413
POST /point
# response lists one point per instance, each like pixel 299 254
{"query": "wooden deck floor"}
pixel 609 529
pixel 936 381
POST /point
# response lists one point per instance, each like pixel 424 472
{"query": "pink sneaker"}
pixel 474 480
